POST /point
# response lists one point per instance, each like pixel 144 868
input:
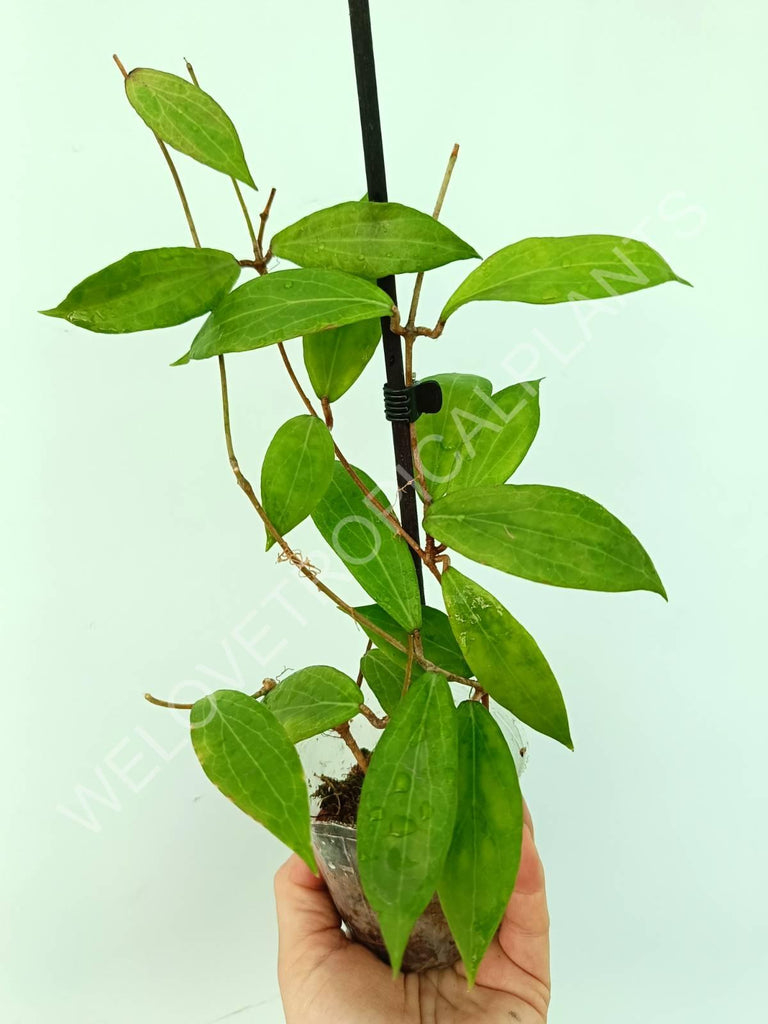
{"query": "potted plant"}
pixel 435 807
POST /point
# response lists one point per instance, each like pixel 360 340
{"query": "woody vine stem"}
pixel 429 556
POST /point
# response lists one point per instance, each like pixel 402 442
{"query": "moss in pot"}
pixel 440 808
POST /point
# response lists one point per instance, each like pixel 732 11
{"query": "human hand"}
pixel 327 979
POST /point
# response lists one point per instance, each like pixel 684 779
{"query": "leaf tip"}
pixel 682 280
pixel 183 360
pixel 54 311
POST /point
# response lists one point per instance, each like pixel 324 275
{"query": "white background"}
pixel 131 562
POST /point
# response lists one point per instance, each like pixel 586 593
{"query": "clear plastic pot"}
pixel 430 944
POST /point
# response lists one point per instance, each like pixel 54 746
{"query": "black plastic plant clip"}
pixel 406 404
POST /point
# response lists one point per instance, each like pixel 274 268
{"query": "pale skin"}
pixel 326 978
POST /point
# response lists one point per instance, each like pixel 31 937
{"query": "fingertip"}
pixel 296 872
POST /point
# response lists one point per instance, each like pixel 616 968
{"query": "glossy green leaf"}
pixel 150 289
pixel 312 700
pixel 370 239
pixel 284 305
pixel 297 470
pixel 335 359
pixel 482 863
pixel 505 657
pixel 476 438
pixel 246 753
pixel 407 810
pixel 378 559
pixel 545 270
pixel 548 534
pixel 437 639
pixel 188 119
pixel 385 676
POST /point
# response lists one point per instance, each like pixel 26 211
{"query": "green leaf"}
pixel 547 534
pixel 407 810
pixel 505 657
pixel 370 239
pixel 246 753
pixel 285 304
pixel 335 359
pixel 545 270
pixel 385 677
pixel 188 119
pixel 150 289
pixel 437 639
pixel 476 437
pixel 484 857
pixel 375 555
pixel 297 470
pixel 312 700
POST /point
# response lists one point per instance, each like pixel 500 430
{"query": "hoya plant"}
pixel 440 809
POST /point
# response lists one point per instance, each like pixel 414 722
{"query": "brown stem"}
pixel 436 214
pixel 264 217
pixel 376 722
pixel 387 514
pixel 291 556
pixel 359 679
pixel 327 411
pixel 346 734
pixel 268 684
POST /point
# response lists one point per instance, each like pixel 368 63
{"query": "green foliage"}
pixel 481 867
pixel 437 639
pixel 297 470
pixel 375 555
pixel 149 289
pixel 408 809
pixel 385 676
pixel 441 808
pixel 284 305
pixel 547 534
pixel 570 269
pixel 335 359
pixel 312 700
pixel 370 239
pixel 247 754
pixel 477 437
pixel 505 657
pixel 188 119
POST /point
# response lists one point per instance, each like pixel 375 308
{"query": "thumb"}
pixel 524 932
pixel 306 917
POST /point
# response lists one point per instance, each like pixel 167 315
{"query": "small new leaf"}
pixel 335 359
pixel 408 809
pixel 569 269
pixel 312 700
pixel 297 470
pixel 505 657
pixel 370 239
pixel 150 289
pixel 366 543
pixel 482 863
pixel 188 119
pixel 246 753
pixel 284 305
pixel 547 534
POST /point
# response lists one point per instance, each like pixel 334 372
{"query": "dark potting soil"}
pixel 339 798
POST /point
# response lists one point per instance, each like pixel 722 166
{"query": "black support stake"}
pixel 373 149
